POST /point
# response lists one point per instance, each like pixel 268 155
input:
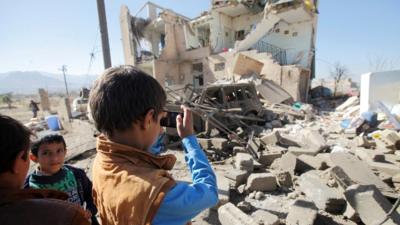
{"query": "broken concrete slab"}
pixel 363 141
pixel 385 167
pixel 237 176
pixel 303 150
pixel 265 218
pixel 261 182
pixel 370 204
pixel 352 101
pixel 244 161
pixel 205 143
pixel 390 138
pixel 229 214
pixel 353 171
pixel 324 197
pixel 307 162
pixel 272 92
pixel 369 155
pixel 302 212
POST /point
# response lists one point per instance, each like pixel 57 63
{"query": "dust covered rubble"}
pixel 312 171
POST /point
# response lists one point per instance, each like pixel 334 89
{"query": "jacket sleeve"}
pixel 87 189
pixel 184 201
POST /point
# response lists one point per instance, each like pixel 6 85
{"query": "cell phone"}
pixel 170 119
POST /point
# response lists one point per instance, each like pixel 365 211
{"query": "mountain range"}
pixel 28 82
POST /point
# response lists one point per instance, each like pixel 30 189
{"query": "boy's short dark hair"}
pixel 48 139
pixel 14 138
pixel 123 95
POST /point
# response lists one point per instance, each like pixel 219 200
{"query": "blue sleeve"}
pixel 184 201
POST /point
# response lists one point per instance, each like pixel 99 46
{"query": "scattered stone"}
pixel 244 161
pixel 324 197
pixel 293 195
pixel 370 204
pixel 259 195
pixel 352 101
pixel 262 217
pixel 363 141
pixel 369 155
pixel 385 167
pixel 261 182
pixel 351 214
pixel 390 138
pixel 252 195
pixel 229 214
pixel 302 212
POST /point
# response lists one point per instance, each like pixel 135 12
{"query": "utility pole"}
pixel 101 9
pixel 64 70
pixel 66 100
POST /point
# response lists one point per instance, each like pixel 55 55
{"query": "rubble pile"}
pixel 325 168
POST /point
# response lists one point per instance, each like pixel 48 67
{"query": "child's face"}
pixel 50 157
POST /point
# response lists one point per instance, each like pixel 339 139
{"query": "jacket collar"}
pixel 112 149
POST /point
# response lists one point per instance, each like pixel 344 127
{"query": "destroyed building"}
pixel 274 39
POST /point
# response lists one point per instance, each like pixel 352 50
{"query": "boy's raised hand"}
pixel 184 125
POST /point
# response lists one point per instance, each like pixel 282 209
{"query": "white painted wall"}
pixel 298 47
pixel 383 86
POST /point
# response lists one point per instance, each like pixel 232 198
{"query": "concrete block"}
pixel 229 214
pixel 237 176
pixel 244 161
pixel 351 214
pixel 324 197
pixel 270 138
pixel 313 139
pixel 302 212
pixel 219 143
pixel 223 188
pixel 267 157
pixel 261 182
pixel 205 143
pixel 391 139
pixel 288 163
pixel 265 218
pixel 370 204
pixel 244 206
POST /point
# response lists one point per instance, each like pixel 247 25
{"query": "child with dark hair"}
pixel 131 183
pixel 18 206
pixel 50 152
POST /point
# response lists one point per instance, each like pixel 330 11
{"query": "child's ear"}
pixel 33 157
pixel 148 119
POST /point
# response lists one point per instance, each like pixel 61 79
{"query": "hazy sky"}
pixel 45 34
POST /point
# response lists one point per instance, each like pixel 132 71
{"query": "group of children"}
pixel 131 182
